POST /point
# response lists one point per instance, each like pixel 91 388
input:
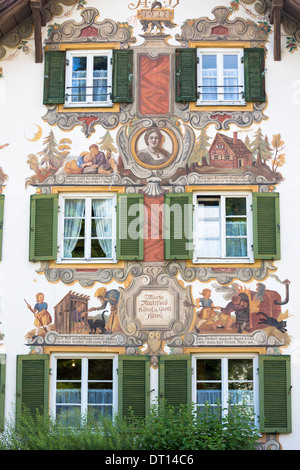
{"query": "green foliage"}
pixel 166 428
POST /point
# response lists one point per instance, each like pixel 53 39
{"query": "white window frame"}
pixel 223 259
pixel 87 259
pixel 220 53
pixel 224 378
pixel 84 378
pixel 90 54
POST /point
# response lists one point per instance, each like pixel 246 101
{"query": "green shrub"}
pixel 166 428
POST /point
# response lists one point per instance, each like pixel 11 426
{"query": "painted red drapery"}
pixel 154 84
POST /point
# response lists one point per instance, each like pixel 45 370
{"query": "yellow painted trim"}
pixel 227 350
pixel 225 107
pixel 86 189
pixel 83 266
pixel 84 349
pixel 93 109
pixel 202 188
pixel 256 264
pixel 220 44
pixel 89 45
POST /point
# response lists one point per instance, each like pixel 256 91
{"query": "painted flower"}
pixel 291 44
pixel 1 72
pixel 235 5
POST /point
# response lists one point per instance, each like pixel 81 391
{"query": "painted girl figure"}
pixel 207 312
pixel 41 314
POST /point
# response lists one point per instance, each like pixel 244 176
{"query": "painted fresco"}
pixel 156 146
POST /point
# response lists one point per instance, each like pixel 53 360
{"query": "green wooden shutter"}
pixel 178 227
pixel 43 227
pixel 186 74
pixel 54 77
pixel 134 385
pixel 122 76
pixel 1 221
pixel 266 226
pixel 175 380
pixel 130 219
pixel 32 385
pixel 2 389
pixel 254 68
pixel 275 394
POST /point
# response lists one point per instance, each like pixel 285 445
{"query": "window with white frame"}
pixel 223 227
pixel 83 386
pixel 89 78
pixel 220 76
pixel 87 228
pixel 226 381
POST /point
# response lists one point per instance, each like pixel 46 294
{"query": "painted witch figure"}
pixel 112 297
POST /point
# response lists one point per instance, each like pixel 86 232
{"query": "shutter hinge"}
pixel 264 72
pixel 278 227
pixel 198 61
pixel 251 207
pixel 111 61
pixel 50 371
pixel 67 62
pixel 242 60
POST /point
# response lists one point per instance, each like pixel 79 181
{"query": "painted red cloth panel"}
pixel 154 84
pixel 153 232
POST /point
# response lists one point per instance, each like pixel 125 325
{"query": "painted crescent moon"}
pixel 33 132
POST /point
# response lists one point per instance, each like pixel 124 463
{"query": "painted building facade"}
pixel 149 179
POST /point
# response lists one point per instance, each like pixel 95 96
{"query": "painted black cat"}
pixel 97 323
pixel 270 321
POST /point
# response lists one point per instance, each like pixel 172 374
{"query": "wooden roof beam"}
pixel 39 20
pixel 275 19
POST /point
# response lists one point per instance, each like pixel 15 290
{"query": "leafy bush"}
pixel 166 428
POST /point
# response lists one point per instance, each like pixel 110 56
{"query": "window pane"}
pixel 79 75
pixel 100 393
pixel 236 206
pixel 68 369
pixel 209 90
pixel 74 248
pixel 209 393
pixel 100 91
pixel 102 227
pixel 96 412
pixel 68 392
pixel 101 248
pixel 240 369
pixel 208 227
pixel 100 369
pixel 208 369
pixel 236 247
pixel 230 71
pixel 236 227
pixel 68 415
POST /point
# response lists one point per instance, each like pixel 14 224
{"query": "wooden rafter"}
pixel 39 20
pixel 275 19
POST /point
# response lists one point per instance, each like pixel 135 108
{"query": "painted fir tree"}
pixel 52 157
pixel 107 143
pixel 260 147
pixel 200 154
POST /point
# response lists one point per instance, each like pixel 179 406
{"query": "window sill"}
pixel 225 261
pixel 86 265
pixel 221 107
